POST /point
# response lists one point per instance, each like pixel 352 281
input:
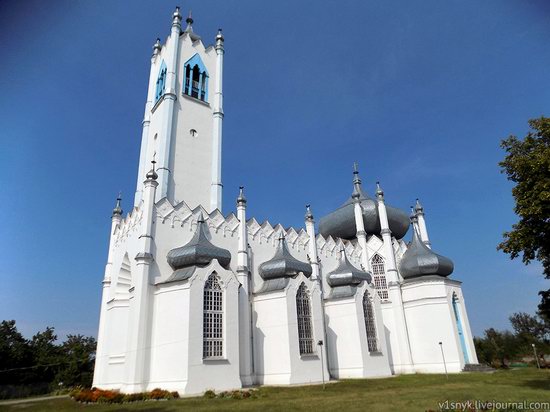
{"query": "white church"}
pixel 194 299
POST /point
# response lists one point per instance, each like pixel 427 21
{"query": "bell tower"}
pixel 182 125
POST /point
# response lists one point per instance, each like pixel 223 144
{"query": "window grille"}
pixel 379 272
pixel 370 324
pixel 212 319
pixel 305 330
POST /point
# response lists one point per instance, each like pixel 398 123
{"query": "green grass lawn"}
pixel 401 393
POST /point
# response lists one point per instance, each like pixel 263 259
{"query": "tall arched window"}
pixel 161 82
pixel 303 311
pixel 370 323
pixel 379 272
pixel 196 78
pixel 212 345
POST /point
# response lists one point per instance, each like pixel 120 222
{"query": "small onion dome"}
pixel 219 36
pixel 420 260
pixel 152 175
pixel 341 222
pixel 309 215
pixel 241 199
pixel 283 264
pixel 199 251
pixel 117 211
pixel 157 47
pixel 346 274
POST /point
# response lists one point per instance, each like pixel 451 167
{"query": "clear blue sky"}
pixel 419 93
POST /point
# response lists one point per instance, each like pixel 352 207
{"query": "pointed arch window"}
pixel 303 312
pixel 379 274
pixel 196 78
pixel 212 318
pixel 161 82
pixel 370 322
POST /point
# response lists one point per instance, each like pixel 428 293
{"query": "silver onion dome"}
pixel 283 264
pixel 346 274
pixel 419 260
pixel 199 251
pixel 341 222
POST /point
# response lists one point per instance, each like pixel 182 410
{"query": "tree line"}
pixel 41 365
pixel 501 348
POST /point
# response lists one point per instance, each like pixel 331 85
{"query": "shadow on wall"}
pixel 259 350
pixel 332 353
pixel 388 347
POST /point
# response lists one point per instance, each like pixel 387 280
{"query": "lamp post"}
pixel 536 356
pixel 444 363
pixel 320 343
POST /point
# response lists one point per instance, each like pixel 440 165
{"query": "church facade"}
pixel 194 299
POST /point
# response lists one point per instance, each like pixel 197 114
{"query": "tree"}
pixel 14 352
pixel 79 355
pixel 527 163
pixel 527 325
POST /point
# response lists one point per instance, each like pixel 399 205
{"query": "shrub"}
pixel 209 394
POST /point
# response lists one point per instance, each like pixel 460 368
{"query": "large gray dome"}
pixel 341 222
pixel 419 260
pixel 283 264
pixel 346 274
pixel 198 252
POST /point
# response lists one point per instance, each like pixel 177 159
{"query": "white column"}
pixel 139 323
pixel 313 254
pixel 143 161
pixel 216 188
pixel 102 344
pixel 361 234
pixel 391 266
pixel 167 106
pixel 422 230
pixel 394 290
pixel 243 275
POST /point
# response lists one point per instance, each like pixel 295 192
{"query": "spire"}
pixel 356 182
pixel 379 191
pixel 219 36
pixel 176 17
pixel 117 211
pixel 241 200
pixel 157 47
pixel 418 207
pixel 152 174
pixel 309 215
pixel 189 29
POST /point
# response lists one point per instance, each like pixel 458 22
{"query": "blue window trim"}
pixel 193 62
pixel 161 82
pixel 458 320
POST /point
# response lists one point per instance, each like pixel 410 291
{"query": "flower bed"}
pixel 95 395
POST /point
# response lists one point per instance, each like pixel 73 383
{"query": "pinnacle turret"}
pixel 117 211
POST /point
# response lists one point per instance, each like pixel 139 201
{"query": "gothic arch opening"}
pixel 124 278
